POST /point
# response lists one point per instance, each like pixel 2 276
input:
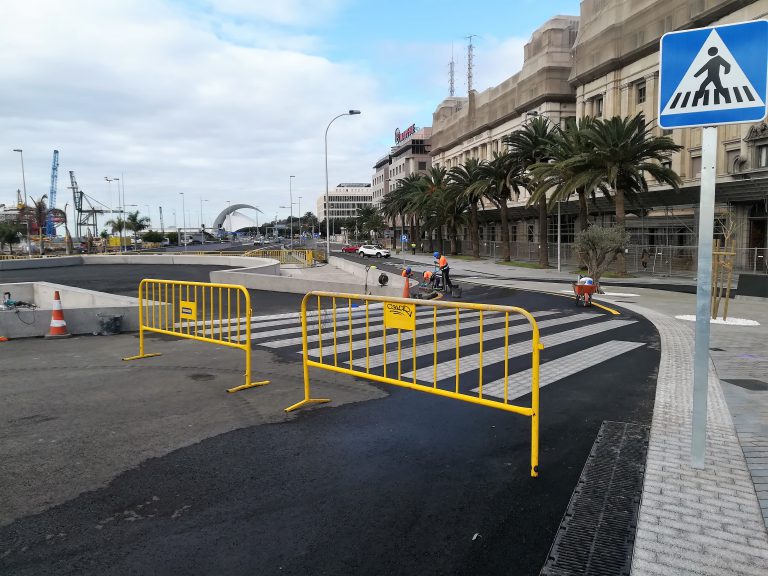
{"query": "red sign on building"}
pixel 407 133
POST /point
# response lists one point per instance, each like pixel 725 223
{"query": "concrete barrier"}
pixel 40 262
pixel 359 270
pixel 81 309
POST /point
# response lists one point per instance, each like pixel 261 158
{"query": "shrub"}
pixel 598 246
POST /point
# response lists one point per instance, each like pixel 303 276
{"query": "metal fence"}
pixel 657 260
pixel 301 257
pixel 201 311
pixel 398 340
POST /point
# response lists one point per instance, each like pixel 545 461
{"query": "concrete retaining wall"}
pixel 304 283
pixel 265 265
pixel 40 262
pixel 359 270
pixel 81 309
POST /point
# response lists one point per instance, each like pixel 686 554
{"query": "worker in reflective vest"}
pixel 442 264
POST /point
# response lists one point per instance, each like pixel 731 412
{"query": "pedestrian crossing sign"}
pixel 712 76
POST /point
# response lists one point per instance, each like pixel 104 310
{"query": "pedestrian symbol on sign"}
pixel 712 76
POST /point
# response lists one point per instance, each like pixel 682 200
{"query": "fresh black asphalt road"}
pixel 407 484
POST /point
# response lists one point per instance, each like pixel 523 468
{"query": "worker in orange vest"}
pixel 442 263
pixel 407 273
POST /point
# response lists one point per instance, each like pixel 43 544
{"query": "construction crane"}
pixel 50 225
pixel 85 218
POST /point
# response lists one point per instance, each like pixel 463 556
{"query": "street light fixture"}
pixel 327 206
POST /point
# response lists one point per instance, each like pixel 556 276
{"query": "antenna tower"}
pixel 470 58
pixel 451 75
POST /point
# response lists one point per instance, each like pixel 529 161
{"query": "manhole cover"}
pixel 597 533
pixel 200 377
pixel 750 384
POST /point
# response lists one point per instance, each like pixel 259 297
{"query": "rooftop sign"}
pixel 405 134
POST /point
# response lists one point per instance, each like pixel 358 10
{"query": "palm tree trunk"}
pixel 543 244
pixel 474 230
pixel 621 267
pixel 583 214
pixel 505 247
pixel 452 235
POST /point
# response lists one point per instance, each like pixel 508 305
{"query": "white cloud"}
pixel 139 89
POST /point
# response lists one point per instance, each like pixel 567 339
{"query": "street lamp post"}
pixel 327 206
pixel 119 205
pixel 290 202
pixel 23 176
pixel 202 234
pixel 183 220
pixel 301 238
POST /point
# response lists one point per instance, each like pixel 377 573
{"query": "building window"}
pixel 422 165
pixel 665 132
pixel 640 92
pixel 730 160
pixel 598 106
pixel 696 166
pixel 762 155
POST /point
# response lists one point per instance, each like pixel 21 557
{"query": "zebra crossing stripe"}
pixel 449 367
pixel 343 332
pixel 471 362
pixel 360 344
pixel 278 319
pixel 554 370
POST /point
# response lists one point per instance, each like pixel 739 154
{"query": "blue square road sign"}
pixel 712 76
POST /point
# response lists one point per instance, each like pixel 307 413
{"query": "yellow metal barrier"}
pixel 339 352
pixel 197 311
pixel 303 257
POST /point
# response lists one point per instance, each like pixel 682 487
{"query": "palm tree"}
pixel 412 189
pixel 531 145
pixel 561 176
pixel 117 225
pixel 461 179
pixel 39 213
pixel 433 198
pixel 395 203
pixel 136 224
pixel 623 151
pixel 499 179
pixel 368 220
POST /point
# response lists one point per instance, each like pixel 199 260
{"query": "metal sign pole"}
pixel 703 295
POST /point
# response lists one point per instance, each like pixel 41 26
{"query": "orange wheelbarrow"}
pixel 584 293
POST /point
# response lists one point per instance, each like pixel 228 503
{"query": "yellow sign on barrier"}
pixel 353 336
pixel 187 310
pixel 197 311
pixel 400 316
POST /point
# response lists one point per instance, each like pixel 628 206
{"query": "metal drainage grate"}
pixel 597 533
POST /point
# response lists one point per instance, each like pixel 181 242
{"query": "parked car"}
pixel 372 250
pixel 351 248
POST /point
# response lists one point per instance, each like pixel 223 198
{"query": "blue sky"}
pixel 224 99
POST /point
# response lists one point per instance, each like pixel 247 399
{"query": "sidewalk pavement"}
pixel 710 521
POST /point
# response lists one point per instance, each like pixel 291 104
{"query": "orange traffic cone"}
pixel 58 327
pixel 406 287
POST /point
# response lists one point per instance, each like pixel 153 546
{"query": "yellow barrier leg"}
pixel 307 396
pixel 247 348
pixel 141 343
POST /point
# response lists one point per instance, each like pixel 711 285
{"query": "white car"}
pixel 372 250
